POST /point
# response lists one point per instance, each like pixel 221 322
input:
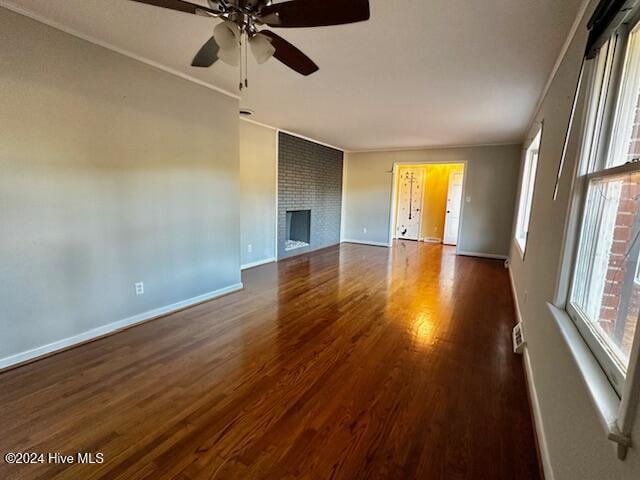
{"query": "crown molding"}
pixel 582 11
pixel 109 46
pixel 260 124
pixel 309 139
pixel 293 134
pixel 433 147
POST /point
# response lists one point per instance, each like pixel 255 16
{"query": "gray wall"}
pixel 491 183
pixel 572 431
pixel 309 177
pixel 112 172
pixel 258 164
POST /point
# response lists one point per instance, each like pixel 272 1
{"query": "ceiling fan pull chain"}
pixel 240 69
pixel 246 60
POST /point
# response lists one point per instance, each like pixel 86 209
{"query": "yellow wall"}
pixel 435 196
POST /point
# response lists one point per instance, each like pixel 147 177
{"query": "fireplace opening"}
pixel 298 229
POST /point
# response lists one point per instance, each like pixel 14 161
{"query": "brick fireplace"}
pixel 309 195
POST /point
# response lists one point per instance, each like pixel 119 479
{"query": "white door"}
pixel 454 203
pixel 409 204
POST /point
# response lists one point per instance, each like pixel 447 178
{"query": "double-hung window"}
pixel 604 296
pixel 526 193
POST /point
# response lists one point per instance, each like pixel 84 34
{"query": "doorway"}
pixel 409 213
pixel 427 202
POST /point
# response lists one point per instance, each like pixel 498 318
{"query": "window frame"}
pixel 617 409
pixel 606 87
pixel 527 191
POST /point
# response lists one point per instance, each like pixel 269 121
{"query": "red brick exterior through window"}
pixel 621 299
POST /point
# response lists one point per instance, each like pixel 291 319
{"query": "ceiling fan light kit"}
pixel 241 20
pixel 262 48
pixel 230 57
pixel 227 35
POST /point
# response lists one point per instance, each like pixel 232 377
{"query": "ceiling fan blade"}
pixel 290 55
pixel 207 55
pixel 315 13
pixel 180 6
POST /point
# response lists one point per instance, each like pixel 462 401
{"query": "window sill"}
pixel 602 393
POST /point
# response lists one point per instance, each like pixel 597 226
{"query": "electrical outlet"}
pixel 249 248
pixel 139 288
pixel 364 230
pixel 468 198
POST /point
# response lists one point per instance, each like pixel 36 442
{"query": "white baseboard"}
pixel 366 242
pixel 112 327
pixel 482 255
pixel 537 418
pixel 533 395
pixel 431 240
pixel 515 297
pixel 257 263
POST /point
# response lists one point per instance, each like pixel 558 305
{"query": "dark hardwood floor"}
pixel 355 362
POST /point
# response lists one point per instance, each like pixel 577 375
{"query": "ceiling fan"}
pixel 243 18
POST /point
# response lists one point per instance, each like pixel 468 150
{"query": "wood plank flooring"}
pixel 354 362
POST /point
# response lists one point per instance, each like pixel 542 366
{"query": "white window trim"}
pixel 617 411
pixel 518 247
pixel 527 192
pixel 615 414
pixel 606 354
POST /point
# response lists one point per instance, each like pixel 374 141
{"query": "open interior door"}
pixel 454 204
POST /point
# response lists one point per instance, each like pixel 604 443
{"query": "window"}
pixel 526 193
pixel 604 299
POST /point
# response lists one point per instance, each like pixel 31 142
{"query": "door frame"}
pixel 394 188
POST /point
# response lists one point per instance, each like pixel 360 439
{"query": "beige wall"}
pixel 111 172
pixel 491 182
pixel 573 434
pixel 258 163
pixel 434 200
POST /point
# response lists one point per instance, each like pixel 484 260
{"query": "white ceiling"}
pixel 419 73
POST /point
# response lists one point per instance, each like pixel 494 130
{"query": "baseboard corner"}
pixel 493 256
pixel 37 353
pixel 366 242
pixel 257 263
